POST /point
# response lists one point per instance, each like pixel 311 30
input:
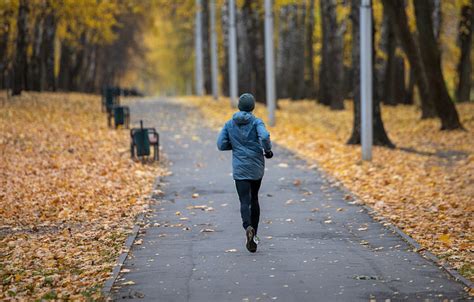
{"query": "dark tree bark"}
pixel 380 137
pixel 244 68
pixel 65 68
pixel 389 46
pixel 79 62
pixel 251 50
pixel 432 61
pixel 466 27
pixel 283 52
pixel 399 90
pixel 20 66
pixel 50 25
pixel 309 68
pixel 36 69
pixel 332 68
pixel 396 10
pixel 296 60
pixel 4 60
pixel 411 88
pixel 291 52
pixel 225 41
pixel 206 49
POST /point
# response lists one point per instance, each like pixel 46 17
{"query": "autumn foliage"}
pixel 68 195
pixel 424 186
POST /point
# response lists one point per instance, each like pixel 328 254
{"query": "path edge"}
pixel 109 283
pixel 392 227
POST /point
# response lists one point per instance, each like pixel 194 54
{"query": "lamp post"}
pixel 232 55
pixel 198 45
pixel 269 62
pixel 366 78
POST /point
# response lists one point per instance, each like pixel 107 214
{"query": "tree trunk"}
pixel 399 92
pixel 50 25
pixel 20 66
pixel 332 68
pixel 4 60
pixel 466 27
pixel 36 61
pixel 206 50
pixel 292 69
pixel 309 68
pixel 396 10
pixel 437 18
pixel 389 47
pixel 251 51
pixel 432 61
pixel 380 137
pixel 283 52
pixel 243 51
pixel 411 88
pixel 65 67
pixel 225 41
pixel 355 19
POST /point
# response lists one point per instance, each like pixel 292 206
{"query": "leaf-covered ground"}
pixel 425 186
pixel 69 195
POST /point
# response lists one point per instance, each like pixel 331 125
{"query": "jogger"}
pixel 250 142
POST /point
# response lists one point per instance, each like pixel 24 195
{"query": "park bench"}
pixel 110 99
pixel 141 141
pixel 121 116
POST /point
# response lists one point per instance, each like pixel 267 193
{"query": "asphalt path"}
pixel 317 243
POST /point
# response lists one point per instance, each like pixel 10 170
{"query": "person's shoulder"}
pixel 259 121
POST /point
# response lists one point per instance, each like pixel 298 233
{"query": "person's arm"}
pixel 223 141
pixel 264 137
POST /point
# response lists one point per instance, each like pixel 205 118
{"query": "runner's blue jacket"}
pixel 248 139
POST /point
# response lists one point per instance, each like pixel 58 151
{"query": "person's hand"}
pixel 269 154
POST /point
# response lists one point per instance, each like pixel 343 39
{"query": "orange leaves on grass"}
pixel 68 195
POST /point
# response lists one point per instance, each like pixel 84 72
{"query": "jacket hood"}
pixel 242 117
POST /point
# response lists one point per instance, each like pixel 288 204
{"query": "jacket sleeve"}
pixel 223 141
pixel 263 136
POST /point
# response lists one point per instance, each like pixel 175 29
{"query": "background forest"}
pixel 81 45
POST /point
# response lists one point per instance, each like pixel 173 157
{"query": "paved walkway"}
pixel 316 246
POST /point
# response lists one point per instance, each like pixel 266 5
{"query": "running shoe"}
pixel 251 245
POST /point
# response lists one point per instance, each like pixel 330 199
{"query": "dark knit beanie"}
pixel 246 102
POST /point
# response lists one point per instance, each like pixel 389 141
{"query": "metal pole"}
pixel 198 41
pixel 366 78
pixel 269 62
pixel 232 55
pixel 214 70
